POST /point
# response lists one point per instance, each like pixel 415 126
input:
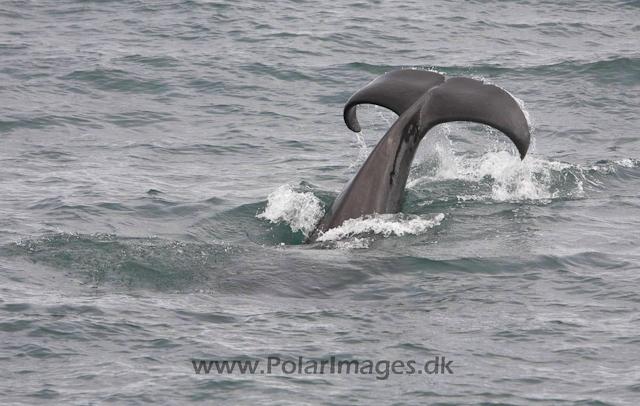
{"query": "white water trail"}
pixel 382 224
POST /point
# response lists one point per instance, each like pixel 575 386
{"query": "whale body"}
pixel 422 100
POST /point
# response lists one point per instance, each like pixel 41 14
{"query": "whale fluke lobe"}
pixel 397 90
pixel 422 100
pixel 464 99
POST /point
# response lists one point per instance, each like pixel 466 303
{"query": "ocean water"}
pixel 162 161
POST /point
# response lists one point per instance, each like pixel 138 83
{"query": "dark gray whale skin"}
pixel 422 100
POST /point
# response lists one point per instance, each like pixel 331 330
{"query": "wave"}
pixel 603 68
pixel 492 178
pixel 102 260
pixel 118 81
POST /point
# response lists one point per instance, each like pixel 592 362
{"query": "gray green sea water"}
pixel 161 162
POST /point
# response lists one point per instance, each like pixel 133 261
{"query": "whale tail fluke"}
pixel 442 101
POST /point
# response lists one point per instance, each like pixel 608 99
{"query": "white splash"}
pixel 628 163
pixel 301 210
pixel 511 179
pixel 382 224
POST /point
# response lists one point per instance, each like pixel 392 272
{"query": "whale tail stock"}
pixel 422 100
